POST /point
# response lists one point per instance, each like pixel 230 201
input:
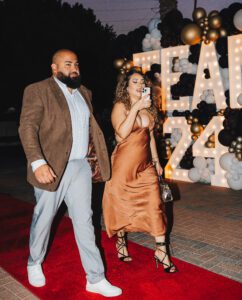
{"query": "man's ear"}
pixel 54 68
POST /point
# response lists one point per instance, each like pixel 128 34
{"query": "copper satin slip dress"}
pixel 131 200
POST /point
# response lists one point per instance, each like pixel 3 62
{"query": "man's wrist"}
pixel 38 163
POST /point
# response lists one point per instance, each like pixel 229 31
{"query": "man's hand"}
pixel 44 174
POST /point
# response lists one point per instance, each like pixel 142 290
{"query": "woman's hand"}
pixel 158 167
pixel 144 102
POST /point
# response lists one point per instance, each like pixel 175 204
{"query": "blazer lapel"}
pixel 59 96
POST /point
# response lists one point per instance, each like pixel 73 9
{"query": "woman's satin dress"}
pixel 131 200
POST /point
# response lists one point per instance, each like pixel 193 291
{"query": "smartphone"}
pixel 145 91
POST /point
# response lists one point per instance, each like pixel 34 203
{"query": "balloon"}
pixel 215 22
pixel 225 161
pixel 239 156
pixel 222 32
pixel 211 138
pixel 199 162
pixel 155 33
pixel 235 184
pixel 239 99
pixel 157 45
pixel 209 144
pixel 225 137
pixel 212 35
pixel 183 61
pixel 191 34
pixel 205 176
pixel 128 64
pixel 194 174
pixel 118 63
pixel 211 168
pixel 225 73
pixel 153 23
pixel 196 128
pixel 213 13
pixel 210 99
pixel 239 168
pixel 238 20
pixel 198 13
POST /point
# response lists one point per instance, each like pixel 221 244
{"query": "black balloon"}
pixel 225 137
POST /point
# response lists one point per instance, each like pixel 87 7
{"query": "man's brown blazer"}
pixel 46 133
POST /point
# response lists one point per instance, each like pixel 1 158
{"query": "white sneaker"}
pixel 35 275
pixel 104 288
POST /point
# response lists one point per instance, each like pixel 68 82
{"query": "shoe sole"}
pixel 105 295
pixel 37 285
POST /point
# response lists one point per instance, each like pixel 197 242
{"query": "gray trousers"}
pixel 75 188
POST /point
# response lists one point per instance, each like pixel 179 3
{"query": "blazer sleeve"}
pixel 30 120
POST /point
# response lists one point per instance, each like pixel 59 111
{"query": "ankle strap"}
pixel 161 243
pixel 121 236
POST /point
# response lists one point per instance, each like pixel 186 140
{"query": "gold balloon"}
pixel 211 138
pixel 199 13
pixel 200 22
pixel 168 154
pixel 221 112
pixel 239 156
pixel 196 128
pixel 238 146
pixel 129 64
pixel 212 35
pixel 215 22
pixel 222 32
pixel 191 34
pixel 213 13
pixel 209 145
pixel 118 63
pixel 194 137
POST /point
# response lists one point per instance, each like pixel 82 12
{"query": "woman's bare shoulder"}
pixel 119 108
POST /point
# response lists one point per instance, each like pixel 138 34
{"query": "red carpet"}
pixel 65 277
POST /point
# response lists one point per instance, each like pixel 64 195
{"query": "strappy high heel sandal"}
pixel 171 268
pixel 120 245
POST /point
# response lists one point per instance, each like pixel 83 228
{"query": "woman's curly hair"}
pixel 122 95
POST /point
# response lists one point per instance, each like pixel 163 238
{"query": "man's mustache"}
pixel 74 73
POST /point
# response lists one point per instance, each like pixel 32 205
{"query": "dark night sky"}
pixel 126 15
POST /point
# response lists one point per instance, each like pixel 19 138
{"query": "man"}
pixel 55 123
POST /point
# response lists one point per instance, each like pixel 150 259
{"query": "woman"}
pixel 131 201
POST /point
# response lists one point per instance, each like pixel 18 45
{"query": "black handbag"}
pixel 165 191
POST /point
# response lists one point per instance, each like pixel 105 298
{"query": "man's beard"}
pixel 72 82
